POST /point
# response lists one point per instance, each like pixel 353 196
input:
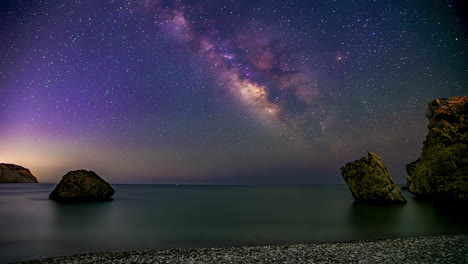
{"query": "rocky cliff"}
pixel 369 181
pixel 11 173
pixel 441 173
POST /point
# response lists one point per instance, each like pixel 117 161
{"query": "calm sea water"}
pixel 155 216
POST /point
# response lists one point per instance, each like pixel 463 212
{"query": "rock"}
pixel 441 173
pixel 369 181
pixel 82 186
pixel 11 173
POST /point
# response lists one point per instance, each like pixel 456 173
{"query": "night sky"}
pixel 223 92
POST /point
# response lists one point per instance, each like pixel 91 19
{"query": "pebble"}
pixel 434 249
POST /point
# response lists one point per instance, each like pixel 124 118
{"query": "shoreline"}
pixel 426 249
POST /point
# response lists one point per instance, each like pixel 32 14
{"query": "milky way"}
pixel 257 67
pixel 223 91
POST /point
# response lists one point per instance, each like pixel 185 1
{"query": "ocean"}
pixel 170 216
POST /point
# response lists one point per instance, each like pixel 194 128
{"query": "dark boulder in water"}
pixel 441 173
pixel 369 181
pixel 82 186
pixel 11 173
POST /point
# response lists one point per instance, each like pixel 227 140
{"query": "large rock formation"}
pixel 369 181
pixel 82 186
pixel 441 173
pixel 10 173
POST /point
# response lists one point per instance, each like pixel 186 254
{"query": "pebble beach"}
pixel 431 249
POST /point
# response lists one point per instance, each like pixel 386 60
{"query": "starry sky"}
pixel 223 92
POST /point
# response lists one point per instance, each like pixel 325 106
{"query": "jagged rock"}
pixel 11 173
pixel 441 173
pixel 82 185
pixel 369 181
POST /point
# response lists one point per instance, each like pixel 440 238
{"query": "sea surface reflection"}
pixel 167 216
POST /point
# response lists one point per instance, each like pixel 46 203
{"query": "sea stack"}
pixel 11 173
pixel 369 181
pixel 441 172
pixel 82 186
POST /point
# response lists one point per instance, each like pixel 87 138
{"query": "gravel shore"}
pixel 435 249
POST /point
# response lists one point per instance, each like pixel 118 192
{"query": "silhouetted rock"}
pixel 11 173
pixel 369 181
pixel 82 185
pixel 441 173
